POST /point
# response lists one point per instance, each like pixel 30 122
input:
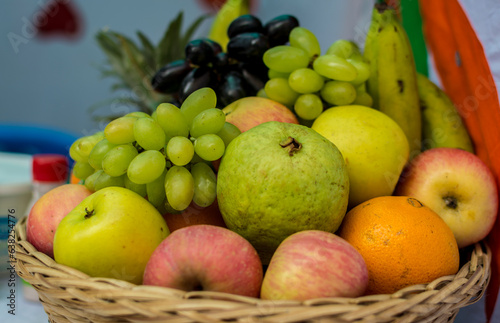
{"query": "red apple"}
pixel 313 264
pixel 193 215
pixel 248 112
pixel 48 211
pixel 458 186
pixel 205 257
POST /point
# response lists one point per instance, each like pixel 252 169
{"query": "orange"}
pixel 74 180
pixel 402 241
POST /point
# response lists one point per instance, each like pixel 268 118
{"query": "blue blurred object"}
pixel 35 139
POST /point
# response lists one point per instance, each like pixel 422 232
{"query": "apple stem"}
pixel 292 145
pixel 88 213
pixel 450 202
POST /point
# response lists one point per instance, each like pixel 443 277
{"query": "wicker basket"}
pixel 69 295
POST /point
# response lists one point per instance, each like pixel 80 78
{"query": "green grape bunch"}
pixel 165 156
pixel 306 81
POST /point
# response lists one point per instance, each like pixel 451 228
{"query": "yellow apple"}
pixel 374 147
pixel 111 233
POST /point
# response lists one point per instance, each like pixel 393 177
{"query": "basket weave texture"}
pixel 69 295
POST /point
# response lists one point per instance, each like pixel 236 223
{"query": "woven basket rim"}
pixel 69 295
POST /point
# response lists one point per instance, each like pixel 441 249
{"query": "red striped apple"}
pixel 205 257
pixel 458 186
pixel 48 211
pixel 313 264
pixel 248 112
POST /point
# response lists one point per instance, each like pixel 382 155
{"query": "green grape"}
pixel 304 39
pixel 335 68
pixel 343 48
pixel 137 188
pixel 117 160
pixel 121 130
pixel 98 152
pixel 80 149
pixel 338 93
pixel 149 134
pixel 198 101
pixel 172 121
pixel 272 74
pixel 198 159
pixel 82 170
pixel 154 116
pixel 262 94
pixel 155 190
pixel 305 80
pixel 279 90
pixel 228 132
pixel 90 180
pixel 179 187
pixel 138 114
pixel 105 180
pixel 180 150
pixel 146 167
pixel 285 59
pixel 362 67
pixel 208 121
pixel 363 98
pixel 205 184
pixel 308 106
pixel 210 147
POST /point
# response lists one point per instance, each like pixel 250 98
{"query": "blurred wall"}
pixel 53 82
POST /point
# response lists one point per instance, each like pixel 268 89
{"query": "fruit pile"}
pixel 380 191
pixel 239 72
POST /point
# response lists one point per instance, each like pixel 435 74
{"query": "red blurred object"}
pixel 58 18
pixel 50 168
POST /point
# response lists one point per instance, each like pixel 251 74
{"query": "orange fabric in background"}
pixel 466 77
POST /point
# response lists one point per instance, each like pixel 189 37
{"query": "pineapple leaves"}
pixel 148 50
pixel 171 46
pixel 191 30
pixel 132 64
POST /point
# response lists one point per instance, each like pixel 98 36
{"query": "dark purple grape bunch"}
pixel 234 74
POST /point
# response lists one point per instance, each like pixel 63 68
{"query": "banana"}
pixel 393 81
pixel 370 52
pixel 231 10
pixel 442 125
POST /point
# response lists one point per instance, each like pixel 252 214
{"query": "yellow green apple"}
pixel 374 147
pixel 111 233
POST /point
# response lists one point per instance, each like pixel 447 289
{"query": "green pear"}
pixel 280 178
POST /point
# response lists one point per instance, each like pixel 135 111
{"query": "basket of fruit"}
pixel 310 195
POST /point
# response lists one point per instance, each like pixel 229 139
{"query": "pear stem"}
pixel 292 144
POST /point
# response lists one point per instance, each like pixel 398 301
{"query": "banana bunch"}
pixel 442 125
pixel 424 112
pixel 393 80
pixel 231 10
